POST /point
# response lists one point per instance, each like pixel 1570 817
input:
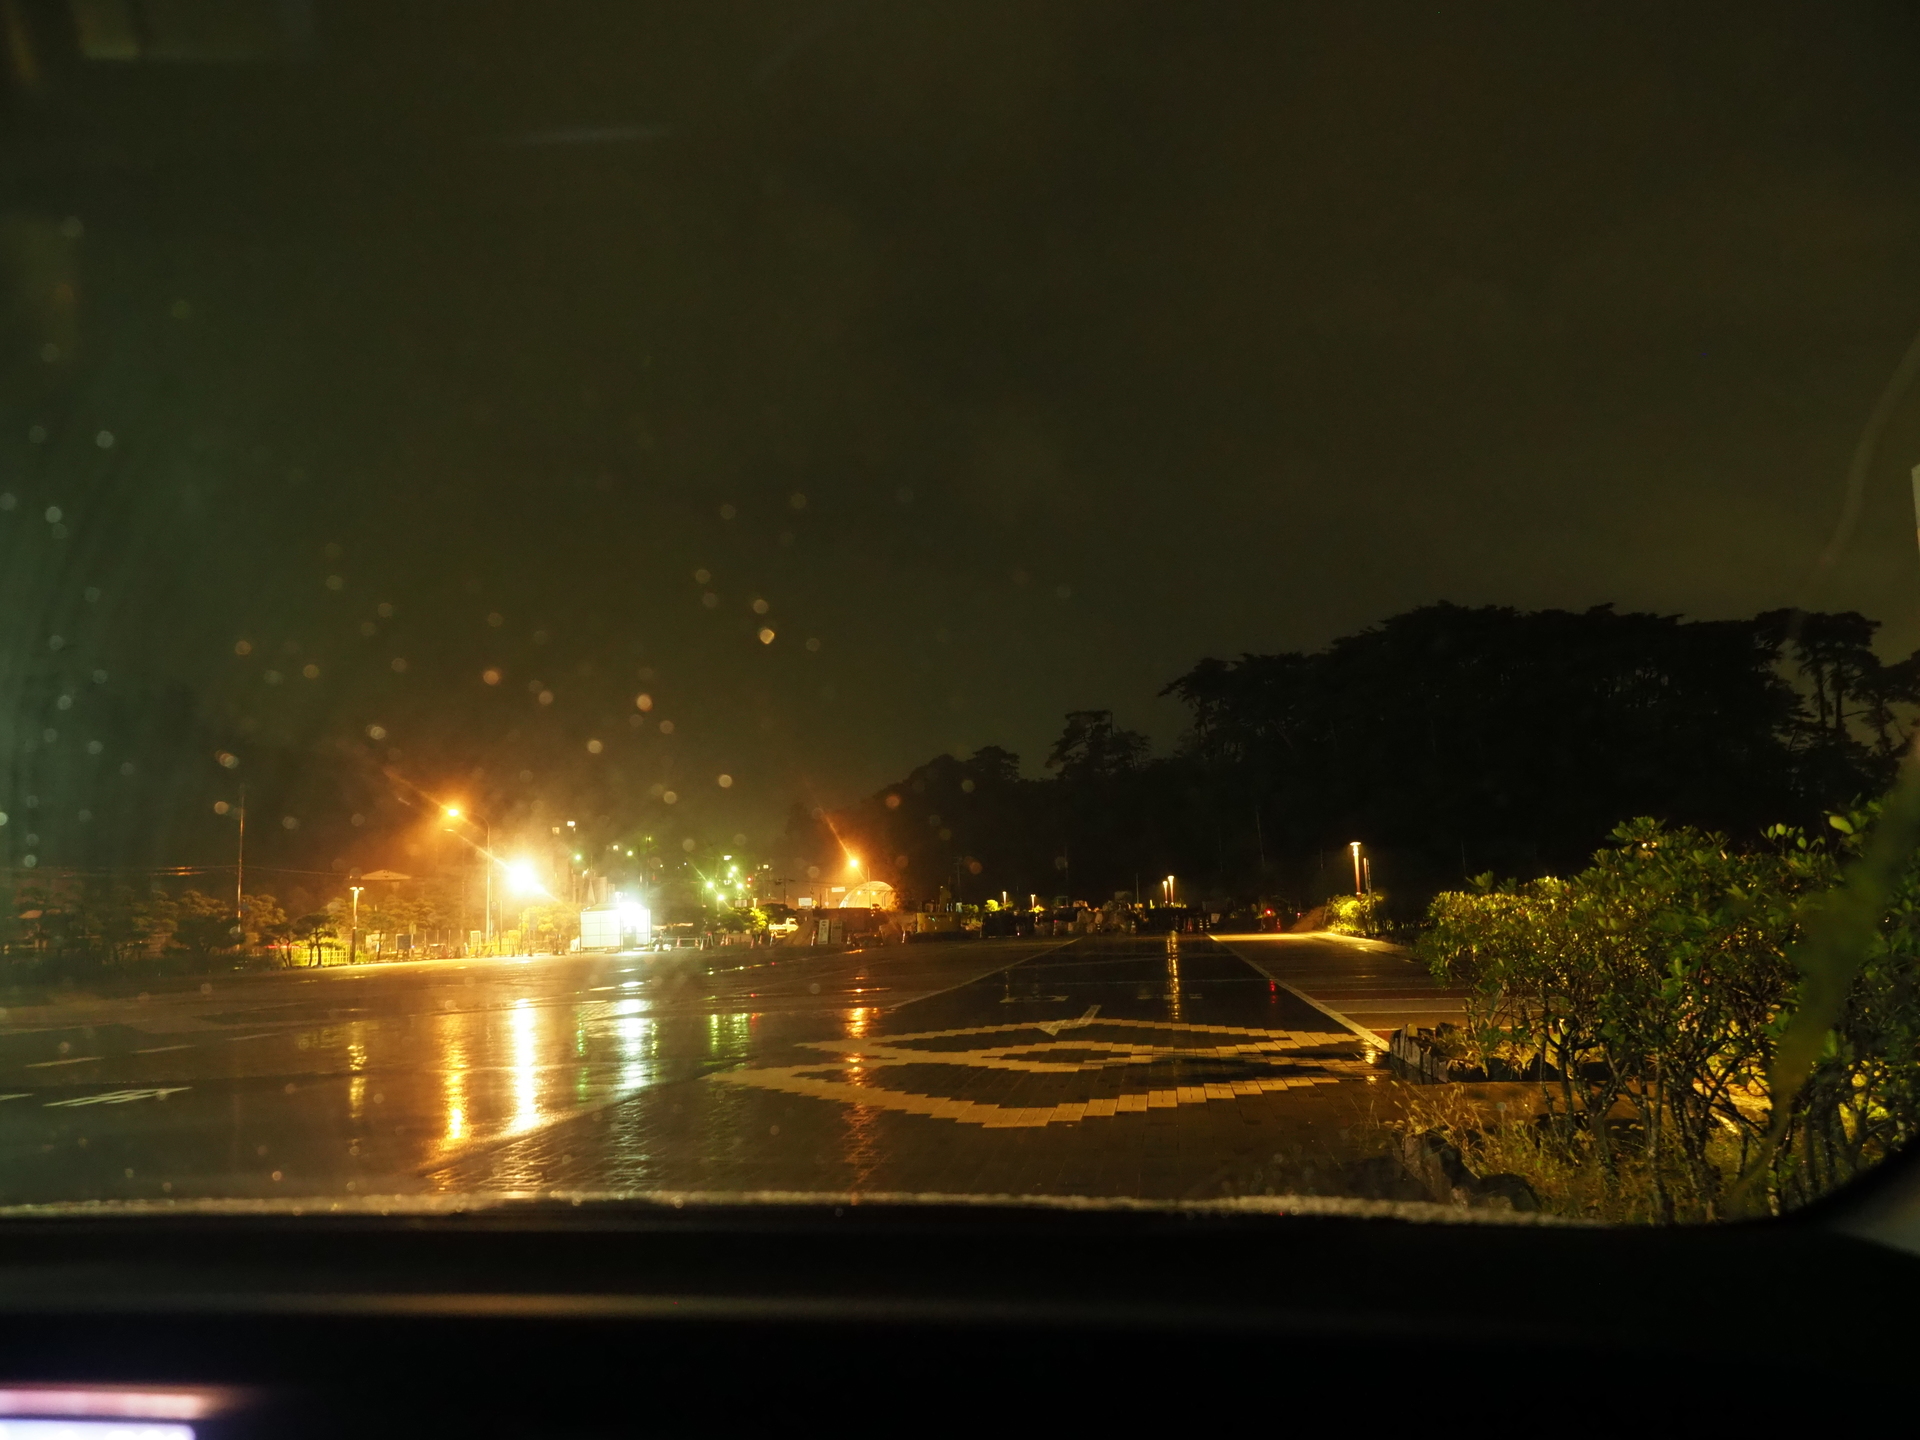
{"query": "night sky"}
pixel 1013 356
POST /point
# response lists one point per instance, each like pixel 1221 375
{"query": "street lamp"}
pixel 486 851
pixel 353 930
pixel 1354 845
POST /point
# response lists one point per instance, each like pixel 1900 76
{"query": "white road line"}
pixel 76 1060
pixel 162 1049
pixel 116 1097
pixel 17 1095
pixel 263 1035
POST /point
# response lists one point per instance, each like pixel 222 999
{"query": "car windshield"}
pixel 1293 607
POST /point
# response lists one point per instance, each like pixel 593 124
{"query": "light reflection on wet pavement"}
pixel 1108 1066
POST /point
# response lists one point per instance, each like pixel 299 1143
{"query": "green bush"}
pixel 1652 990
pixel 1357 914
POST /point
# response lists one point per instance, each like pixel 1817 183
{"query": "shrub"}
pixel 1652 989
pixel 1357 914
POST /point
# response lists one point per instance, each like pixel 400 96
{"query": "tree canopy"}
pixel 1450 740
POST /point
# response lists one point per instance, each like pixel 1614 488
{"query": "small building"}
pixel 623 925
pixel 869 895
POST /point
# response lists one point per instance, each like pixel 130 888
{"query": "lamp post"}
pixel 1354 846
pixel 353 928
pixel 486 858
pixel 240 865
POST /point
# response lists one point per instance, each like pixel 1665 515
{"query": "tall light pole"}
pixel 1354 846
pixel 240 864
pixel 353 929
pixel 486 856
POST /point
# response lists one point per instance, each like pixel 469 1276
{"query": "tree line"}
pixel 106 921
pixel 1451 741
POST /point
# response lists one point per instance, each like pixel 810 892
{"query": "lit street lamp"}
pixel 486 852
pixel 1354 845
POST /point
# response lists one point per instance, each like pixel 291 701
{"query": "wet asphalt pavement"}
pixel 1158 1067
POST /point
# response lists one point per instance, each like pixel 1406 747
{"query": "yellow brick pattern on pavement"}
pixel 857 1083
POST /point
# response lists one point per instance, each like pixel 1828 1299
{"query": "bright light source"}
pixel 453 812
pixel 522 880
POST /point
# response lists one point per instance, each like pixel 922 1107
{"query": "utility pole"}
pixel 353 930
pixel 1354 846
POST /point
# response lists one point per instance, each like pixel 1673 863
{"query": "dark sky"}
pixel 1019 354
